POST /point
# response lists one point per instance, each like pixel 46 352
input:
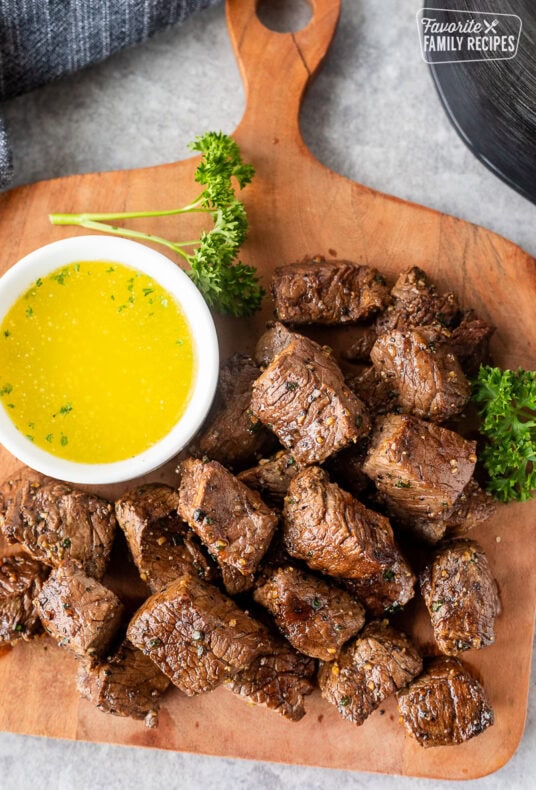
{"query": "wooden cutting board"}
pixel 298 206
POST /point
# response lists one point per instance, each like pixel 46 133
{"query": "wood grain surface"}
pixel 298 206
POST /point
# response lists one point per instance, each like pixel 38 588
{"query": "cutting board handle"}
pixel 277 67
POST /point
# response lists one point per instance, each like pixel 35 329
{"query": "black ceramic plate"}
pixel 492 103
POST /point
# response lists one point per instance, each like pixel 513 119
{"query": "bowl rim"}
pixel 18 278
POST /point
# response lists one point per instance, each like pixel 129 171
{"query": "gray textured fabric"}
pixel 41 40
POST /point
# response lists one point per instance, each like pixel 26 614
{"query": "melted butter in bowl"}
pixel 108 359
pixel 97 362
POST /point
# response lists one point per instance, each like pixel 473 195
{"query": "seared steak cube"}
pixel 234 436
pixel 420 469
pixel 127 684
pixel 196 635
pixel 389 590
pixel 272 476
pixel 162 545
pixel 346 469
pixel 317 618
pixel 469 341
pixel 303 398
pixel 317 291
pixel 56 523
pixel 461 596
pixel 275 339
pixel 473 507
pixel 425 373
pixel 21 579
pixel 279 680
pixel 371 668
pixel 417 303
pixel 79 612
pixel 333 532
pixel 376 390
pixel 231 519
pixel 445 705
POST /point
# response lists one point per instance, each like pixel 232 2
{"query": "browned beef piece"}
pixel 127 684
pixel 196 635
pixel 420 469
pixel 445 705
pixel 461 595
pixel 469 341
pixel 371 668
pixel 21 579
pixel 376 391
pixel 303 398
pixel 417 303
pixel 275 339
pixel 333 532
pixel 346 469
pixel 425 373
pixel 473 507
pixel 317 618
pixel 56 523
pixel 235 437
pixel 317 291
pixel 272 476
pixel 79 612
pixel 230 518
pixel 279 680
pixel 358 350
pixel 388 590
pixel 161 543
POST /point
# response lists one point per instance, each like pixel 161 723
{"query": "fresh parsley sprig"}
pixel 228 285
pixel 507 404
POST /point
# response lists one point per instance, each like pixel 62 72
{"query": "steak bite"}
pixel 272 476
pixel 417 303
pixel 279 680
pixel 460 593
pixel 79 612
pixel 234 436
pixel 317 618
pixel 275 338
pixel 127 684
pixel 473 507
pixel 387 591
pixel 317 291
pixel 162 545
pixel 333 532
pixel 231 519
pixel 446 705
pixel 56 523
pixel 21 579
pixel 469 341
pixel 371 668
pixel 303 398
pixel 426 375
pixel 196 635
pixel 376 390
pixel 420 469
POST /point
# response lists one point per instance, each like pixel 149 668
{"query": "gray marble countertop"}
pixel 372 115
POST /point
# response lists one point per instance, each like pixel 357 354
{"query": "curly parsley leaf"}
pixel 228 285
pixel 506 400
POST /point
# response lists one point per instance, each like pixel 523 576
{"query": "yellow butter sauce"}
pixel 97 362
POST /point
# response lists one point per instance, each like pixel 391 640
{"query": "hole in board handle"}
pixel 284 16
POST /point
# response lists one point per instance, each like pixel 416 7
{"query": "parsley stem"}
pixel 133 234
pixel 80 219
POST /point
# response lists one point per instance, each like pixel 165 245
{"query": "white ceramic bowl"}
pixel 86 248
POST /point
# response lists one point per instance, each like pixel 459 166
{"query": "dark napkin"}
pixel 41 40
